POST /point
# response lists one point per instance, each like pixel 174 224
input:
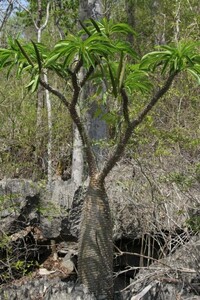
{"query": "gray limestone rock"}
pixel 24 203
pixel 173 277
pixel 71 224
pixel 47 288
pixel 19 200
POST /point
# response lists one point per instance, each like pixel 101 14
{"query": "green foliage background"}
pixel 171 129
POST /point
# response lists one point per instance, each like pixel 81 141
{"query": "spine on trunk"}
pixel 95 265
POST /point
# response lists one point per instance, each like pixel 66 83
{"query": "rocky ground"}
pixel 38 246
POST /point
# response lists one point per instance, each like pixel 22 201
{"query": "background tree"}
pixel 21 23
pixel 5 12
pixel 97 127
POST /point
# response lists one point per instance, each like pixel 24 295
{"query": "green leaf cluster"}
pixel 111 58
pixel 174 58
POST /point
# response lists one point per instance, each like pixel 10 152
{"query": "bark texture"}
pixel 95 243
pixel 96 126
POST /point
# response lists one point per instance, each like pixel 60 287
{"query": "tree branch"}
pixel 37 23
pixel 125 105
pixel 76 119
pixel 28 11
pixel 153 101
pixel 78 66
pixel 47 17
pixel 7 14
pixel 132 125
pixel 76 88
pixel 39 12
pixel 91 161
pixel 55 92
pixel 87 75
pixel 75 83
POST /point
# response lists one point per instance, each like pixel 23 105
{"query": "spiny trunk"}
pixel 95 264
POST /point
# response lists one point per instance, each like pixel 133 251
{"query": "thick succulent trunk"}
pixel 95 265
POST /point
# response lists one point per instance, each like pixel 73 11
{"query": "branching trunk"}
pixel 77 155
pixel 95 241
pixel 132 126
pixel 95 256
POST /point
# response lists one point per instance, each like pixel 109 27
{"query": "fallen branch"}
pixel 144 291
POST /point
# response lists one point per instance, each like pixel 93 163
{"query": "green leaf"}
pixel 24 53
pixel 20 68
pixel 6 57
pixel 196 75
pixel 12 64
pixel 123 28
pixel 121 60
pixel 127 48
pixel 112 81
pixel 137 80
pixel 85 28
pixel 37 56
pixel 30 83
pixel 95 25
pixel 52 59
pixel 33 84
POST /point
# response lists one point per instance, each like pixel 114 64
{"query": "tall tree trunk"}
pixel 49 144
pixel 77 159
pixel 95 265
pixel 177 21
pixel 97 128
pixel 39 139
pixel 40 27
pixel 159 22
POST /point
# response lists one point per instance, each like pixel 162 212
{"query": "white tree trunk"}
pixel 77 159
pixel 49 145
pixel 159 23
pixel 97 128
pixel 48 102
pixel 177 21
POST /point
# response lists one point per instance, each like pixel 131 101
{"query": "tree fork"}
pixel 132 125
pixel 95 255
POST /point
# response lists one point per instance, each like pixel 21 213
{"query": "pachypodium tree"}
pixel 101 49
